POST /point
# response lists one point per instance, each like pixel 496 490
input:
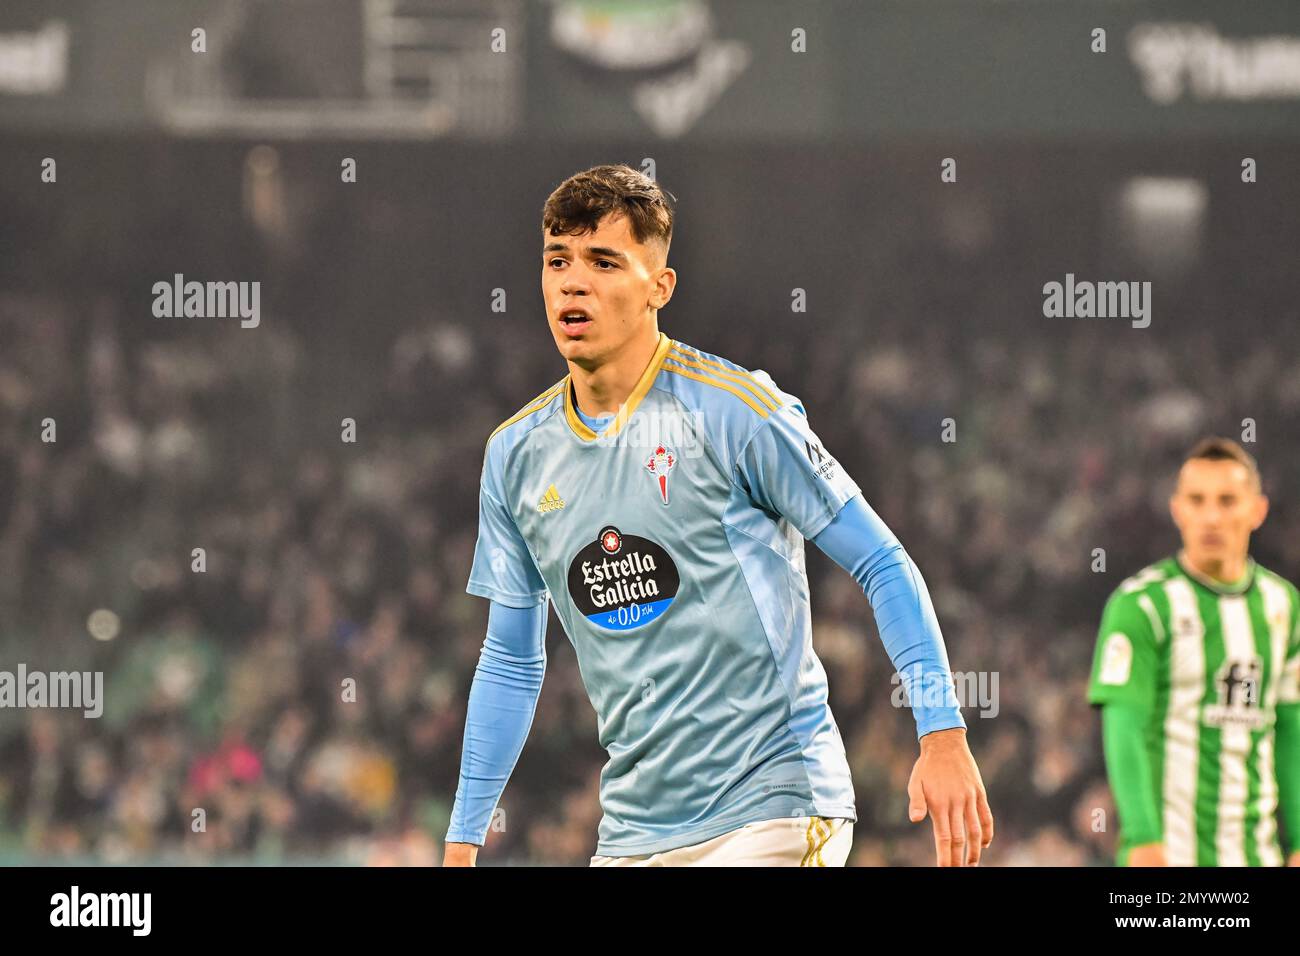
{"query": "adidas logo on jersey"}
pixel 551 501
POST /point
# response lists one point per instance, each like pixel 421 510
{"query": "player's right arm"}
pixel 502 701
pixel 1287 734
pixel 511 665
pixel 1123 685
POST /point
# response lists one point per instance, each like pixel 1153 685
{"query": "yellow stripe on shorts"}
pixel 809 836
pixel 825 829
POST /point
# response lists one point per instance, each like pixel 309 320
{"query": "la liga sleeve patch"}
pixel 1116 660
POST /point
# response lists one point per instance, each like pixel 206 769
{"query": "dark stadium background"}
pixel 329 560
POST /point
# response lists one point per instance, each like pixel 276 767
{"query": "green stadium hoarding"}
pixel 647 70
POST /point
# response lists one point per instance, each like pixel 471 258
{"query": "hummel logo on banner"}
pixel 551 501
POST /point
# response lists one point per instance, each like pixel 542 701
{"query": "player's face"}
pixel 613 280
pixel 1216 507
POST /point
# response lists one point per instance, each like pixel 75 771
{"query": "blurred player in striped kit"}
pixel 1197 671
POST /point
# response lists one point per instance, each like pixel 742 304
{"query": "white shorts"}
pixel 785 841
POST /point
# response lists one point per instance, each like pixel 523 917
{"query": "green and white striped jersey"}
pixel 1209 663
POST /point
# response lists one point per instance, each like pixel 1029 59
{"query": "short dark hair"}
pixel 1225 449
pixel 579 204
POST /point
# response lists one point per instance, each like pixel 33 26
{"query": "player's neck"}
pixel 1227 571
pixel 605 388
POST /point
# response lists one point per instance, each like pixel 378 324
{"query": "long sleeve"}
pixel 859 541
pixel 502 701
pixel 1132 779
pixel 1287 737
pixel 1287 733
pixel 1123 684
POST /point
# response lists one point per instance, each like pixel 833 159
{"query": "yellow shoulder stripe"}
pixel 549 393
pixel 699 361
pixel 740 378
pixel 538 403
pixel 716 383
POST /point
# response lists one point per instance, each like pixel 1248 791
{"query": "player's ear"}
pixel 665 283
pixel 1175 510
pixel 1261 511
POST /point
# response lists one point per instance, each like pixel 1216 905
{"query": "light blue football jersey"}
pixel 672 548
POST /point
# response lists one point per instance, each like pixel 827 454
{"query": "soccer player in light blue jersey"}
pixel 660 497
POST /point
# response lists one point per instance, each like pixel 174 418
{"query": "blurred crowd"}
pixel 297 689
pixel 304 694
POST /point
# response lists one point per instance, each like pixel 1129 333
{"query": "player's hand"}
pixel 1150 854
pixel 460 854
pixel 1294 859
pixel 946 783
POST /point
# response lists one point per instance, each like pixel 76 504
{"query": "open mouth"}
pixel 575 321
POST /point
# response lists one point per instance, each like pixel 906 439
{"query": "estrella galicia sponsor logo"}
pixel 823 464
pixel 622 581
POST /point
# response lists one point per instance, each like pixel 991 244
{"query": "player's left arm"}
pixel 787 471
pixel 1287 745
pixel 946 781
